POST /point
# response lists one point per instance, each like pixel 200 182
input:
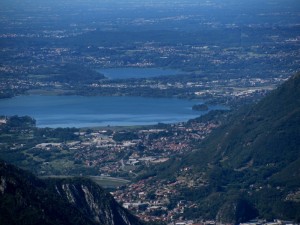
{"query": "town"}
pixel 222 59
pixel 109 152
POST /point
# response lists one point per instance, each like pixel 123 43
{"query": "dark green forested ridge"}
pixel 251 163
pixel 266 133
pixel 25 199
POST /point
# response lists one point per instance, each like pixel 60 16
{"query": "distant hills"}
pixel 25 199
pixel 249 167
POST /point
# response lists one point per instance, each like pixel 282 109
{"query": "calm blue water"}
pixel 79 111
pixel 125 73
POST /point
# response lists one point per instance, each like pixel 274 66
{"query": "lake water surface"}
pixel 79 111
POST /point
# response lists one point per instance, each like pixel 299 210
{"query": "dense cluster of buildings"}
pixel 99 149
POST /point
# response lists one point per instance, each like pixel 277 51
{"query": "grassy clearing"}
pixel 103 181
pixel 109 182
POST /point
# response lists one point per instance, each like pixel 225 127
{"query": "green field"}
pixel 103 181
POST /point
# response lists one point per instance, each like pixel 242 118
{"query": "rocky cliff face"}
pixel 93 201
pixel 25 199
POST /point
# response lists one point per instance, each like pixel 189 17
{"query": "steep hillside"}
pixel 250 166
pixel 92 201
pixel 24 199
pixel 268 133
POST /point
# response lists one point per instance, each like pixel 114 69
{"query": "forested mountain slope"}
pixel 250 166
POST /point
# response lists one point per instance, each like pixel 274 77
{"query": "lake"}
pixel 130 72
pixel 80 111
